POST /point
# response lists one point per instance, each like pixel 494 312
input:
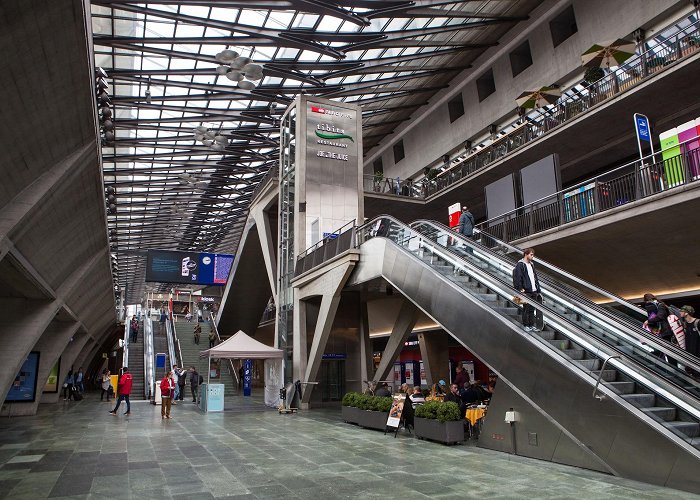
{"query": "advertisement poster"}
pixel 396 410
pixel 24 386
pixel 52 381
pixel 188 267
pixel 453 213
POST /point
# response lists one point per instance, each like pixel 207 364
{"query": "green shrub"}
pixel 363 401
pixel 350 399
pixel 427 410
pixel 437 410
pixel 383 404
pixel 593 74
pixel 448 412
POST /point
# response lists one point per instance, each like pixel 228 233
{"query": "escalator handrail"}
pixel 149 371
pixel 595 346
pixel 125 349
pixel 601 291
pixel 629 329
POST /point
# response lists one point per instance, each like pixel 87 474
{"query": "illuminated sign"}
pixel 188 267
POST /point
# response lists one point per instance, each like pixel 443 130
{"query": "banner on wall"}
pixel 23 388
pixel 453 213
pixel 51 384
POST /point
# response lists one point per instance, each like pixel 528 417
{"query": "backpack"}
pixel 201 380
pixel 674 321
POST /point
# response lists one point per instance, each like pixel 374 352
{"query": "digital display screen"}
pixel 188 267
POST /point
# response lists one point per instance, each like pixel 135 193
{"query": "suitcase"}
pixel 76 395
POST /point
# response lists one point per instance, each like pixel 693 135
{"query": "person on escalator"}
pixel 691 325
pixel 466 225
pixel 657 322
pixel 526 282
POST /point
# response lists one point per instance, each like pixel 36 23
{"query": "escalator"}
pixel 592 372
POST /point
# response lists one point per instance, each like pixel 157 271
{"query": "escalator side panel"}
pixel 626 441
pixel 535 436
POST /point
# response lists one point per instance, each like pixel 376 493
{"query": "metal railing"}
pixel 171 343
pixel 178 350
pixel 335 243
pixel 578 100
pixel 623 185
pixel 271 174
pixel 148 354
pixel 125 348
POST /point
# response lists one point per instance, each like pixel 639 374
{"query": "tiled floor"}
pixel 78 450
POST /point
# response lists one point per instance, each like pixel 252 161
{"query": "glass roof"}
pixel 191 142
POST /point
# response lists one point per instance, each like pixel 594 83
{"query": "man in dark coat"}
pixel 526 282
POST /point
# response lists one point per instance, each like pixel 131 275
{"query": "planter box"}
pixel 372 419
pixel 448 432
pixel 349 414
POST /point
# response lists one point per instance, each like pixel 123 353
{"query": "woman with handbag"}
pixel 105 384
pixel 167 392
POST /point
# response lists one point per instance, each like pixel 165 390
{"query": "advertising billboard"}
pixel 24 386
pixel 188 267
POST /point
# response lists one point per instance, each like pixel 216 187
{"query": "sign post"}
pixel 643 130
pixel 247 376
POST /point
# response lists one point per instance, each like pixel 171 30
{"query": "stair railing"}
pixel 178 350
pixel 148 354
pixel 171 344
pixel 125 350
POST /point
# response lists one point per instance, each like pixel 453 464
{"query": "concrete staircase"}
pixel 190 355
pixel 136 366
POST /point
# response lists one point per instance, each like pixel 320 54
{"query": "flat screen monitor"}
pixel 166 266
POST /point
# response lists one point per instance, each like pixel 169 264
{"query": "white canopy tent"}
pixel 241 346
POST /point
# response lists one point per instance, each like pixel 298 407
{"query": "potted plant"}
pixel 374 411
pixel 438 421
pixel 349 410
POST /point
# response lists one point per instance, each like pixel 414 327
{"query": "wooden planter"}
pixel 448 432
pixel 372 419
pixel 349 414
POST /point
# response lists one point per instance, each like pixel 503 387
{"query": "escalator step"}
pixel 690 429
pixel 546 334
pixel 589 364
pixel 662 413
pixel 608 375
pixel 562 344
pixel 621 387
pixel 574 353
pixel 641 400
pixel 487 297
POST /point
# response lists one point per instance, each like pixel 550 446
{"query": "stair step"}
pixel 621 387
pixel 546 334
pixel 661 413
pixel 608 375
pixel 589 364
pixel 486 297
pixel 641 400
pixel 562 344
pixel 690 429
pixel 574 353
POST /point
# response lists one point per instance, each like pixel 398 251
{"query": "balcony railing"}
pixel 578 100
pixel 335 243
pixel 621 186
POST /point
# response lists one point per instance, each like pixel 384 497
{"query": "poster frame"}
pixel 56 365
pixel 34 356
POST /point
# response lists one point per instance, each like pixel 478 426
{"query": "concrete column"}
pixel 267 242
pixel 408 315
pixel 50 347
pixel 19 332
pixel 67 361
pixel 367 364
pixel 299 345
pixel 435 356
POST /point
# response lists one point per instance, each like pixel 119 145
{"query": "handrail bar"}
pixel 600 376
pixel 677 395
pixel 125 348
pixel 637 333
pixel 149 371
pixel 588 181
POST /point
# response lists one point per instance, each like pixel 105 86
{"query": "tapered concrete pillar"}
pixel 367 364
pixel 435 356
pixel 68 358
pixel 408 315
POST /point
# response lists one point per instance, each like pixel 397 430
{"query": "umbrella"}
pixel 608 54
pixel 538 98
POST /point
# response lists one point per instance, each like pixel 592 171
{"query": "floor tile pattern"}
pixel 77 450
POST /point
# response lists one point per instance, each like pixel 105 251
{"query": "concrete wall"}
pixel 429 134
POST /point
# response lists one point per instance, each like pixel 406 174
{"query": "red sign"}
pixel 454 213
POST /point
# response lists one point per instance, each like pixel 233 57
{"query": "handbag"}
pixel 517 300
pixel 65 384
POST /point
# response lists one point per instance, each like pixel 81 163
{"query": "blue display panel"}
pixel 188 267
pixel 24 386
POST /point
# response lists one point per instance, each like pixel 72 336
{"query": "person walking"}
pixel 163 319
pixel 526 282
pixel 68 385
pixel 79 377
pixel 105 384
pixel 167 393
pixel 176 389
pixel 134 327
pixel 181 381
pixel 194 383
pixel 197 333
pixel 212 340
pixel 123 391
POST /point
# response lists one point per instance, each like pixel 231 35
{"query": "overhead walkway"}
pixel 590 373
